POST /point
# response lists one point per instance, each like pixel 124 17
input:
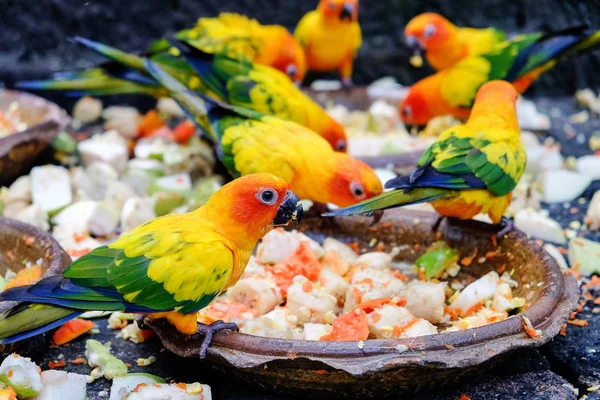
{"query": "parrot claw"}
pixel 347 84
pixel 209 330
pixel 140 319
pixel 437 224
pixel 506 225
pixel 377 215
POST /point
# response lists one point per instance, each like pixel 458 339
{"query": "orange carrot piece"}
pixel 184 131
pixel 8 394
pixel 71 330
pixel 149 123
pixel 350 326
pixel 58 364
pixel 26 276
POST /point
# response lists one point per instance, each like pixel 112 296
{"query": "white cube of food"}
pixel 169 108
pixel 77 216
pixel 592 216
pixel 369 284
pixel 254 268
pixel 316 331
pixel 387 321
pixel 376 260
pixel 419 327
pixel 117 192
pixel 276 246
pixel 310 303
pixel 342 249
pixel 259 293
pixel 105 220
pixel 174 391
pixel 100 175
pixel 265 327
pixel 426 300
pixel 136 211
pixel 122 385
pixel 539 226
pixel 477 292
pixel 124 120
pixel 13 208
pixel 20 190
pixel 563 185
pixel 51 187
pixel 177 183
pixel 333 283
pixel 74 243
pixel 87 109
pixel 34 215
pixel 331 260
pixel 22 374
pixel 282 318
pixel 83 186
pixel 62 385
pixel 109 147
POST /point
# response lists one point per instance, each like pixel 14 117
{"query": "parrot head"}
pixel 255 203
pixel 290 58
pixel 335 134
pixel 425 31
pixel 352 181
pixel 342 10
pixel 414 108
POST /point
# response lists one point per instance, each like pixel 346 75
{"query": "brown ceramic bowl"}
pixel 19 150
pixel 22 242
pixel 349 370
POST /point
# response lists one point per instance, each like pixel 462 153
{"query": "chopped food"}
pixel 179 391
pixel 592 217
pixel 87 109
pixel 584 255
pixel 26 276
pixel 51 188
pixel 11 121
pixel 437 260
pixel 351 326
pixel 62 385
pixel 123 385
pixel 538 225
pixel 21 374
pixel 71 330
pixel 100 358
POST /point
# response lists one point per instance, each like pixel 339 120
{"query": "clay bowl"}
pixel 397 366
pixel 19 150
pixel 22 242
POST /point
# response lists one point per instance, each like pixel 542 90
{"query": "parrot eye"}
pixel 429 31
pixel 406 112
pixel 291 71
pixel 357 190
pixel 267 196
pixel 340 145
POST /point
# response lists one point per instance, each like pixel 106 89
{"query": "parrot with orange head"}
pixel 331 37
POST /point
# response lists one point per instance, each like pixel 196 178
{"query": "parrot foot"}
pixel 347 84
pixel 377 215
pixel 506 226
pixel 437 224
pixel 209 330
pixel 140 319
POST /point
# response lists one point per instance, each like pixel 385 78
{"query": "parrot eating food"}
pixel 169 267
pixel 469 169
pixel 331 36
pixel 445 43
pixel 520 61
pixel 249 142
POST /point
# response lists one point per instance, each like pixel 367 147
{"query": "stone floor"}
pixel 555 371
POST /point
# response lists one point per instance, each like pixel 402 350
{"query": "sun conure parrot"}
pixel 469 169
pixel 520 61
pixel 445 43
pixel 170 267
pixel 238 82
pixel 249 142
pixel 331 36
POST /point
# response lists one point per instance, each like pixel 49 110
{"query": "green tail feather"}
pixel 26 320
pixel 391 199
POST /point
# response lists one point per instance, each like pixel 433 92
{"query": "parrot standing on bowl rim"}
pixel 170 267
pixel 470 169
pixel 331 37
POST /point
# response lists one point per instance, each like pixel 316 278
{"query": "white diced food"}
pixel 124 120
pixel 589 166
pixel 105 220
pixel 276 246
pixel 333 283
pixel 136 211
pixel 420 327
pixel 153 168
pixel 537 225
pixel 282 318
pixel 13 208
pixel 150 148
pixel 123 385
pixel 20 190
pixel 99 356
pixel 592 216
pixel 141 173
pixel 342 249
pixel 376 260
pixel 543 159
pixel 174 391
pixel 529 139
pixel 477 292
pixel 117 192
pixel 266 327
pixel 75 244
pixel 387 321
pixel 562 185
pixel 178 183
pixel 51 188
pixel 109 147
pixel 553 251
pixel 77 217
pixel 310 303
pixel 503 299
pixel 426 300
pixel 257 292
pixel 168 107
pixel 87 109
pixel 34 215
pixel 62 385
pixel 254 268
pixel 370 284
pixel 83 186
pixel 585 254
pixel 316 331
pixel 100 175
pixel 22 374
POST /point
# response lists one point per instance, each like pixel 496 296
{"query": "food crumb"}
pixel 361 344
pixel 143 362
pixel 57 364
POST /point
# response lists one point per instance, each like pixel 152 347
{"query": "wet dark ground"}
pixel 545 373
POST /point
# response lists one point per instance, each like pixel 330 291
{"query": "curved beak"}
pixel 347 12
pixel 289 210
pixel 416 59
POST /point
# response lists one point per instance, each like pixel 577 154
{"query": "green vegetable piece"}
pixel 166 202
pixel 204 188
pixel 585 254
pixel 64 143
pixel 436 259
pixel 99 356
pixel 22 374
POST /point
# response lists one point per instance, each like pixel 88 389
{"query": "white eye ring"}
pixel 267 196
pixel 291 70
pixel 429 31
pixel 358 190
